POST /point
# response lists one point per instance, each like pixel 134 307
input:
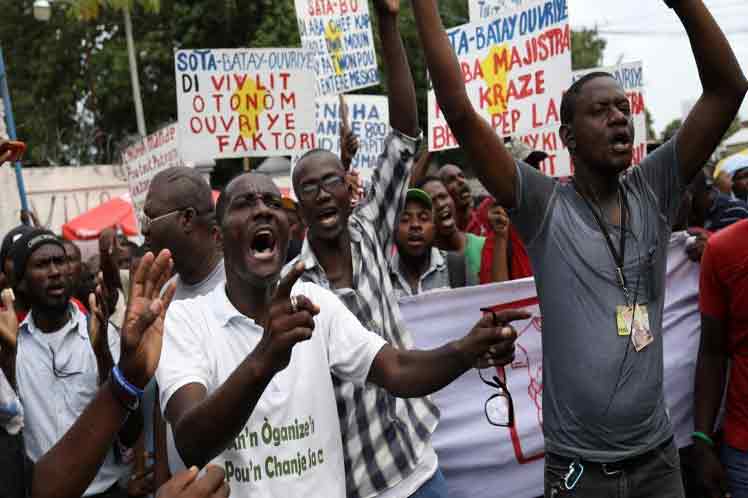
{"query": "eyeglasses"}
pixel 60 373
pixel 146 221
pixel 331 184
pixel 499 407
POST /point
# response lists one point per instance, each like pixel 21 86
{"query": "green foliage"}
pixel 671 129
pixel 586 49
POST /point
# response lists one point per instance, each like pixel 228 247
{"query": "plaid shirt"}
pixel 383 436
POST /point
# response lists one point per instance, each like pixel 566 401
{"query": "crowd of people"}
pixel 180 366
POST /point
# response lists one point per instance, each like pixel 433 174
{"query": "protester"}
pixel 418 266
pixel 228 356
pixel 740 184
pixel 179 215
pixel 386 441
pixel 604 416
pixel 723 301
pixel 454 180
pixel 723 182
pixel 448 236
pixel 60 358
pixel 712 209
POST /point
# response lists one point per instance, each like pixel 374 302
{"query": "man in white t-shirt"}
pixel 245 371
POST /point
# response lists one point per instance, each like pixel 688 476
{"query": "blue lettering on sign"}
pixel 196 60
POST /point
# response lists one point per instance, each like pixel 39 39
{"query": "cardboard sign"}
pixel 630 77
pixel 515 67
pixel 485 9
pixel 339 35
pixel 143 160
pixel 369 121
pixel 244 102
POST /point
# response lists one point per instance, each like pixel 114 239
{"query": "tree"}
pixel 587 49
pixel 651 134
pixel 671 129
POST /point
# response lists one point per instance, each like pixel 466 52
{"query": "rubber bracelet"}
pixel 122 382
pixel 704 437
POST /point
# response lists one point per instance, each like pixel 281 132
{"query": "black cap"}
pixel 10 239
pixel 26 245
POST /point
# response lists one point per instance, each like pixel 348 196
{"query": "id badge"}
pixel 634 321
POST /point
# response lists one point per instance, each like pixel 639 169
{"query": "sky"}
pixel 669 69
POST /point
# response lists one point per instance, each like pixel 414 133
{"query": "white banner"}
pixel 369 119
pixel 244 102
pixel 483 461
pixel 143 160
pixel 484 9
pixel 515 66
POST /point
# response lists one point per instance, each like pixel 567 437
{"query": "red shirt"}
pixel 723 294
pixel 519 263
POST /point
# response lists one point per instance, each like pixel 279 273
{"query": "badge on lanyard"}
pixel 634 321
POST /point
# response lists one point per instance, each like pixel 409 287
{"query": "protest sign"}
pixel 244 102
pixel 143 160
pixel 483 461
pixel 630 77
pixel 369 121
pixel 339 35
pixel 485 9
pixel 515 67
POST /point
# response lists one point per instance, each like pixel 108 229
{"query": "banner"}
pixel 484 9
pixel 339 35
pixel 244 102
pixel 483 461
pixel 143 160
pixel 515 66
pixel 369 120
pixel 630 77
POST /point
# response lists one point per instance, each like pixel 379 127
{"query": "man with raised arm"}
pixel 245 370
pixel 387 441
pixel 598 247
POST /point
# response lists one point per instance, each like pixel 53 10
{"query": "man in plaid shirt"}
pixel 386 440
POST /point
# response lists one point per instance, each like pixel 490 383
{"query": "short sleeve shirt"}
pixel 602 400
pixel 291 444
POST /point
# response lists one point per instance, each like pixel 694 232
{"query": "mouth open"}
pixel 328 217
pixel 263 244
pixel 621 142
pixel 56 289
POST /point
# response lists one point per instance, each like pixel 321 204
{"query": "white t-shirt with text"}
pixel 291 444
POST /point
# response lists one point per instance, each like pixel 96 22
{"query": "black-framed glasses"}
pixel 499 407
pixel 330 184
pixel 61 373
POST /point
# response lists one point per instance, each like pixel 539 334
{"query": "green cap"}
pixel 416 194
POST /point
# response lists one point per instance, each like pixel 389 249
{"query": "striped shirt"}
pixel 724 212
pixel 384 437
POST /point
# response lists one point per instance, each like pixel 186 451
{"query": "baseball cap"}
pixel 418 195
pixel 27 244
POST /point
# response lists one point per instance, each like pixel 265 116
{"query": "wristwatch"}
pixel 127 394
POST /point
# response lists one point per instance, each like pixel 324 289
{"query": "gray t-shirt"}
pixel 602 401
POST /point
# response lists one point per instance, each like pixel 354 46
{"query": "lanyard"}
pixel 619 257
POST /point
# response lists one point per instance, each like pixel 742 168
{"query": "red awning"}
pixel 117 212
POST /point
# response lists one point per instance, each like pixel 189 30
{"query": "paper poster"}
pixel 143 160
pixel 245 102
pixel 339 35
pixel 484 9
pixel 515 67
pixel 369 121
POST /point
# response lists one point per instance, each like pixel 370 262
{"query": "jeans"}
pixel 436 487
pixel 736 467
pixel 656 474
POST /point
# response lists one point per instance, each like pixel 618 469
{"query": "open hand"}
pixel 491 342
pixel 143 328
pixel 185 484
pixel 348 141
pixel 290 321
pixel 8 322
pixel 98 320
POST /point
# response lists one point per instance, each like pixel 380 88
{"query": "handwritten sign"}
pixel 515 67
pixel 143 160
pixel 485 9
pixel 630 77
pixel 245 102
pixel 369 121
pixel 339 35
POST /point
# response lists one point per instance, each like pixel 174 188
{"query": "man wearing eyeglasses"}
pixel 179 215
pixel 59 362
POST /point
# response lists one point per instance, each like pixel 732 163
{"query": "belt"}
pixel 612 469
